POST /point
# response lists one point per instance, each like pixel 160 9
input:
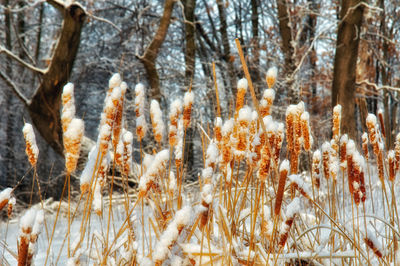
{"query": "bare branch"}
pixel 374 85
pixel 14 87
pixel 105 21
pixel 22 62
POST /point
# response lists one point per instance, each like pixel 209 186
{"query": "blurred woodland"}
pixel 326 52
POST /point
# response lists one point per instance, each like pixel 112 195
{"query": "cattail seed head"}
pixel 391 163
pixel 381 122
pixel 271 76
pixel 68 103
pixel 266 102
pixel 336 120
pixel 114 81
pixel 157 121
pixel 306 132
pixel 241 93
pixel 31 148
pixel 5 196
pixel 187 108
pixel 72 143
pixel 283 173
pixel 316 162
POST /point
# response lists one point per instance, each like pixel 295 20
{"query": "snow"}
pixel 5 194
pixel 272 72
pixel 114 81
pixel 228 127
pixel 27 220
pixel 284 166
pixel 371 119
pixel 245 114
pixel 242 84
pixel 188 98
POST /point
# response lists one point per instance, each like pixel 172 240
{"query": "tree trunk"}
pixel 150 55
pixel 344 72
pixel 190 51
pixel 255 62
pixel 288 52
pixel 225 44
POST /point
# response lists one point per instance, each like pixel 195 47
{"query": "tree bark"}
pixel 344 73
pixel 190 51
pixel 225 43
pixel 255 62
pixel 288 51
pixel 150 55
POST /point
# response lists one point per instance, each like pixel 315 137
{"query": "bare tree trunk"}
pixel 150 55
pixel 190 51
pixel 288 51
pixel 344 73
pixel 255 62
pixel 225 44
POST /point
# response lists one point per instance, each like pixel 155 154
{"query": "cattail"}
pixel 298 183
pixel 244 120
pixel 280 134
pixel 127 140
pixel 397 152
pixel 381 122
pixel 344 139
pixel 11 203
pixel 36 229
pixel 141 125
pixel 89 169
pixel 283 173
pixel 290 127
pixel 271 76
pixel 68 103
pixel 305 128
pixel 267 226
pixel 170 235
pixel 97 200
pixel 179 145
pixel 373 133
pixel 174 114
pixel 291 210
pixel 187 108
pixel 266 102
pixel 371 241
pixel 117 126
pixel 103 169
pixel 336 120
pixel 156 168
pixel 316 162
pixel 326 147
pixel 297 128
pixel 104 138
pixel 217 129
pixel 226 141
pixel 391 163
pixel 5 196
pixel 72 143
pixel 157 121
pixel 31 148
pixel 26 224
pixel 241 93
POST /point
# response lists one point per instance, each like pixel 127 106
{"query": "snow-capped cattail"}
pixel 217 129
pixel 114 81
pixel 280 134
pixel 298 183
pixel 316 164
pixel 290 126
pixel 141 125
pixel 174 114
pixel 244 120
pixel 36 229
pixel 371 242
pixel 68 103
pixel 266 102
pixel 344 139
pixel 325 158
pixel 97 200
pixel 179 146
pixel 291 210
pixel 397 152
pixel 72 143
pixel 267 225
pixel 31 148
pixel 103 169
pixel 271 76
pixel 127 140
pixel 104 138
pixel 170 235
pixel 364 139
pixel 305 128
pixel 5 196
pixel 156 169
pixel 117 125
pixel 283 173
pixel 157 121
pixel 11 203
pixel 381 122
pixel 226 141
pixel 26 224
pixel 187 108
pixel 89 169
pixel 241 93
pixel 336 120
pixel 373 133
pixel 391 163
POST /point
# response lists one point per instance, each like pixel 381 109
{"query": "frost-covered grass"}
pixel 252 204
